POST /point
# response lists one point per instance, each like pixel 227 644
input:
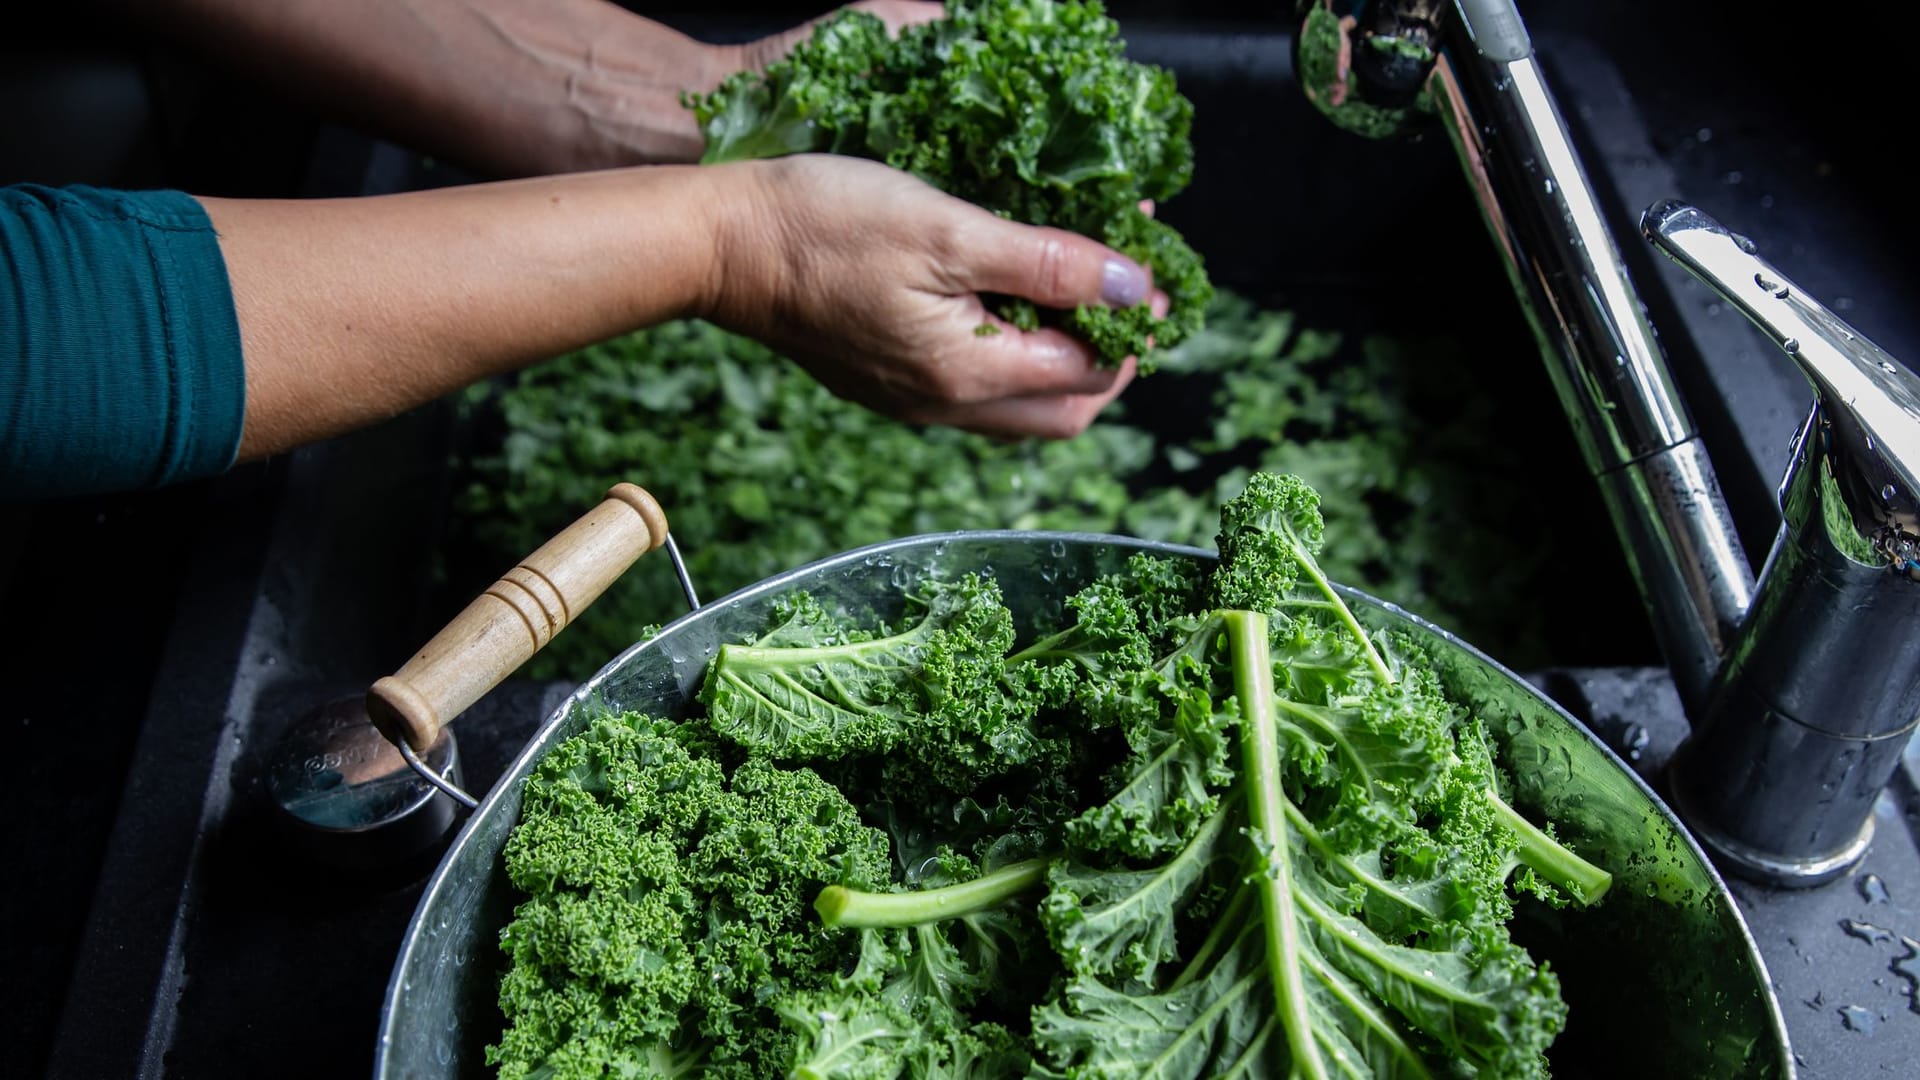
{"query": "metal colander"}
pixel 1662 978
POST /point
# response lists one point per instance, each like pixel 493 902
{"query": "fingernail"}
pixel 1122 283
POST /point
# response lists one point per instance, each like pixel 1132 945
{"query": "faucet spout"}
pixel 1870 405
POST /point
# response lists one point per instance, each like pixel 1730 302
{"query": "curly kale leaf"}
pixel 927 958
pixel 668 904
pixel 1322 962
pixel 1029 108
pixel 937 694
pixel 945 695
pixel 1178 736
pixel 851 1036
pixel 1341 912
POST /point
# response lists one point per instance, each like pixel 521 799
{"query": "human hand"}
pixel 897 14
pixel 871 279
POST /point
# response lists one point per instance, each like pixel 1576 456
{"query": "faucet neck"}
pixel 1869 405
pixel 1606 363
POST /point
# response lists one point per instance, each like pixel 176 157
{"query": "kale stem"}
pixel 1259 740
pixel 841 906
pixel 1405 1058
pixel 1226 928
pixel 1039 648
pixel 1374 659
pixel 1549 858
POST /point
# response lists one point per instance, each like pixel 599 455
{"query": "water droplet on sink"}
pixel 1632 741
pixel 1866 931
pixel 1872 889
pixel 1888 492
pixel 1733 177
pixel 1549 185
pixel 1858 1019
pixel 1906 974
pixel 1792 345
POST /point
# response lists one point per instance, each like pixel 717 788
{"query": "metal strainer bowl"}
pixel 1662 978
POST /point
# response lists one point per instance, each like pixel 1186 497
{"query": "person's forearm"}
pixel 352 310
pixel 510 87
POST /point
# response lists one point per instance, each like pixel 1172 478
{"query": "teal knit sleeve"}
pixel 120 361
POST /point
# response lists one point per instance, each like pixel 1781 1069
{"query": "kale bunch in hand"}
pixel 1026 107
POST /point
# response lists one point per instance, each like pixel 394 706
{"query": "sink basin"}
pixel 1349 234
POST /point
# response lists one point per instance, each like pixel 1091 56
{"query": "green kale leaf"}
pixel 1028 108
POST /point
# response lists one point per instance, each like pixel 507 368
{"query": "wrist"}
pixel 746 256
pixel 629 109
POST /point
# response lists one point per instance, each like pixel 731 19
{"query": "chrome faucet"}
pixel 1818 695
pixel 1607 365
pixel 1803 689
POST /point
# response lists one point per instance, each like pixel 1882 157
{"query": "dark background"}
pixel 1811 109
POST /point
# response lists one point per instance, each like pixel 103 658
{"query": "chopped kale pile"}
pixel 1029 108
pixel 761 469
pixel 1209 827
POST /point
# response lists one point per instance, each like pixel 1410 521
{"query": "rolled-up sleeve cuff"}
pixel 123 366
